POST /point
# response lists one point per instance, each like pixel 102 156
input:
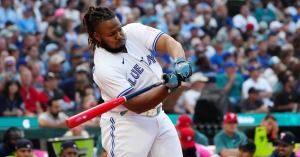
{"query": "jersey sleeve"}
pixel 111 84
pixel 147 35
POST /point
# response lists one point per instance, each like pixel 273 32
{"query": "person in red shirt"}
pixel 29 94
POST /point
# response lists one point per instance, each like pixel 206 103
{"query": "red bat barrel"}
pixel 93 112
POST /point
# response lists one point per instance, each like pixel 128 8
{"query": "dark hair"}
pixel 6 89
pixel 190 152
pixel 6 136
pixel 270 116
pixel 94 16
pixel 50 101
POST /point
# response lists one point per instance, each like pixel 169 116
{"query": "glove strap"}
pixel 179 60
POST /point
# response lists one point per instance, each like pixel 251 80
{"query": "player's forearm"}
pixel 174 48
pixel 167 44
pixel 148 100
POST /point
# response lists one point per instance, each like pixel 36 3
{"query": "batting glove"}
pixel 171 80
pixel 183 68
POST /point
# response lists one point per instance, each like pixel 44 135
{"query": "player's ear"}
pixel 97 37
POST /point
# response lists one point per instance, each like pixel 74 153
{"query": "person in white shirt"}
pixel 124 63
pixel 258 83
pixel 187 101
pixel 241 20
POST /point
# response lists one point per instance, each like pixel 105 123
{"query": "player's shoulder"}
pixel 133 26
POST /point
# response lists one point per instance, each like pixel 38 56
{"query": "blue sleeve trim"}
pixel 126 91
pixel 155 40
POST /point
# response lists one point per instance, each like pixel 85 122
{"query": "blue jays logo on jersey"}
pixel 151 59
pixel 135 74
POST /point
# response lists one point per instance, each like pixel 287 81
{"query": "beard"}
pixel 113 50
pixel 55 115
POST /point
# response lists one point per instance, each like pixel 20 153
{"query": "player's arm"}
pixel 148 100
pixel 165 43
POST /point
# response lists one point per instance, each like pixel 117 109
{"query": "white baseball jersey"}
pixel 121 73
pixel 131 134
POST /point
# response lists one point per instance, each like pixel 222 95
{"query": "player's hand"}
pixel 171 80
pixel 183 68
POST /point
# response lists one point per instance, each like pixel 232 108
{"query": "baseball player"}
pixel 124 63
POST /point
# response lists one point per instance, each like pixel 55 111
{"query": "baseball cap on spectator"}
pixel 57 59
pixel 249 27
pixel 12 47
pixel 50 76
pixel 286 138
pixel 198 76
pixel 275 25
pixel 229 22
pixel 5 33
pixel 184 121
pixel 229 64
pixel 182 2
pixel 253 90
pixel 187 137
pixel 247 146
pixel 59 12
pixel 51 47
pixel 82 69
pixel 24 143
pixel 226 55
pixel 230 117
pixel 9 60
pixel 252 68
pixel 13 28
pixel 274 60
pixel 68 144
pixel 263 25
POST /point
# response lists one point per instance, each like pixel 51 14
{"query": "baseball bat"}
pixel 104 107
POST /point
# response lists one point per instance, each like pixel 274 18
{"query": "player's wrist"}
pixel 183 68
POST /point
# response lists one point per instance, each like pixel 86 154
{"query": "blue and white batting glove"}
pixel 171 80
pixel 183 68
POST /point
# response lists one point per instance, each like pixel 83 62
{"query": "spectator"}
pixel 71 12
pixel 29 94
pixel 286 143
pixel 7 13
pixel 287 100
pixel 231 82
pixel 253 104
pixel 52 91
pixel 53 117
pixel 28 23
pixel 89 99
pixel 259 83
pixel 187 101
pixel 189 147
pixel 241 20
pixel 247 149
pixel 69 149
pixel 184 121
pixel 10 138
pixel 270 123
pixel 74 87
pixel 12 100
pixel 228 139
pixel 272 72
pixel 10 68
pixel 78 131
pixel 23 148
